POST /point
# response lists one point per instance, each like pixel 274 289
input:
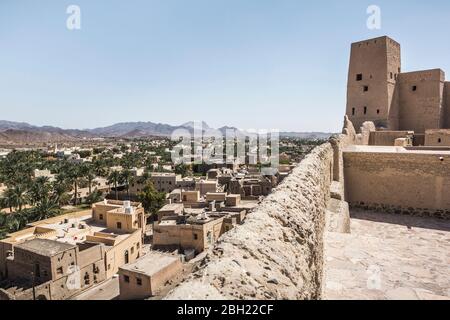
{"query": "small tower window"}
pixel 439 140
pixel 359 77
pixel 365 110
pixel 378 111
pixel 353 111
pixel 392 75
pixel 127 257
pixel 366 88
pixel 119 225
pixel 414 88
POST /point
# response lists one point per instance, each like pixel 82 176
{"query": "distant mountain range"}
pixel 21 132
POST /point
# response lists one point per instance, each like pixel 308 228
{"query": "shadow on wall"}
pixel 404 220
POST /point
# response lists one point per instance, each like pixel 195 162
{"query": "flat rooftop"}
pixel 377 38
pixel 45 247
pixel 212 182
pixel 198 219
pixel 151 263
pixel 163 174
pixel 389 149
pixel 72 230
pixel 172 207
pixel 193 211
pixel 446 131
pixel 116 203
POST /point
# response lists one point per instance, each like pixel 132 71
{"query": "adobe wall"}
pixel 42 292
pixel 115 256
pixel 158 279
pixel 401 183
pixel 440 138
pixel 387 138
pixel 421 109
pixel 92 253
pixel 447 104
pixel 4 249
pixel 131 290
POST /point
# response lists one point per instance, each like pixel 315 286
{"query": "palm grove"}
pixel 31 199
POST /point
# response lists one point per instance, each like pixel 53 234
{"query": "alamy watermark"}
pixel 374 19
pixel 199 145
pixel 73 21
pixel 373 277
pixel 74 278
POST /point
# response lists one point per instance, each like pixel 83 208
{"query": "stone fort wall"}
pixel 278 252
pixel 399 183
pixel 420 99
pixel 447 104
pixel 387 138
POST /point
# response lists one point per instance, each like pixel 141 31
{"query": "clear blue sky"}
pixel 247 63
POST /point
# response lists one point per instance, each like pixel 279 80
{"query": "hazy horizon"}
pixel 252 64
pixel 156 122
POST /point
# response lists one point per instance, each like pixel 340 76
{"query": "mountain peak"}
pixel 20 131
pixel 196 124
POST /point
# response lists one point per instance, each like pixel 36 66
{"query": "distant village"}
pixel 119 212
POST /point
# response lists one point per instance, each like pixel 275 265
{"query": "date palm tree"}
pixel 144 178
pixel 94 197
pixel 114 178
pixel 61 190
pixel 16 197
pixel 73 174
pixel 126 177
pixel 46 208
pixel 9 200
pixel 88 171
pixel 16 221
pixel 151 199
pixel 100 168
pixel 40 189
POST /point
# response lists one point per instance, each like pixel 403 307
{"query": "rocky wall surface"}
pixel 278 252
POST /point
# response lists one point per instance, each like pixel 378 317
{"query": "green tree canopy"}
pixel 151 199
